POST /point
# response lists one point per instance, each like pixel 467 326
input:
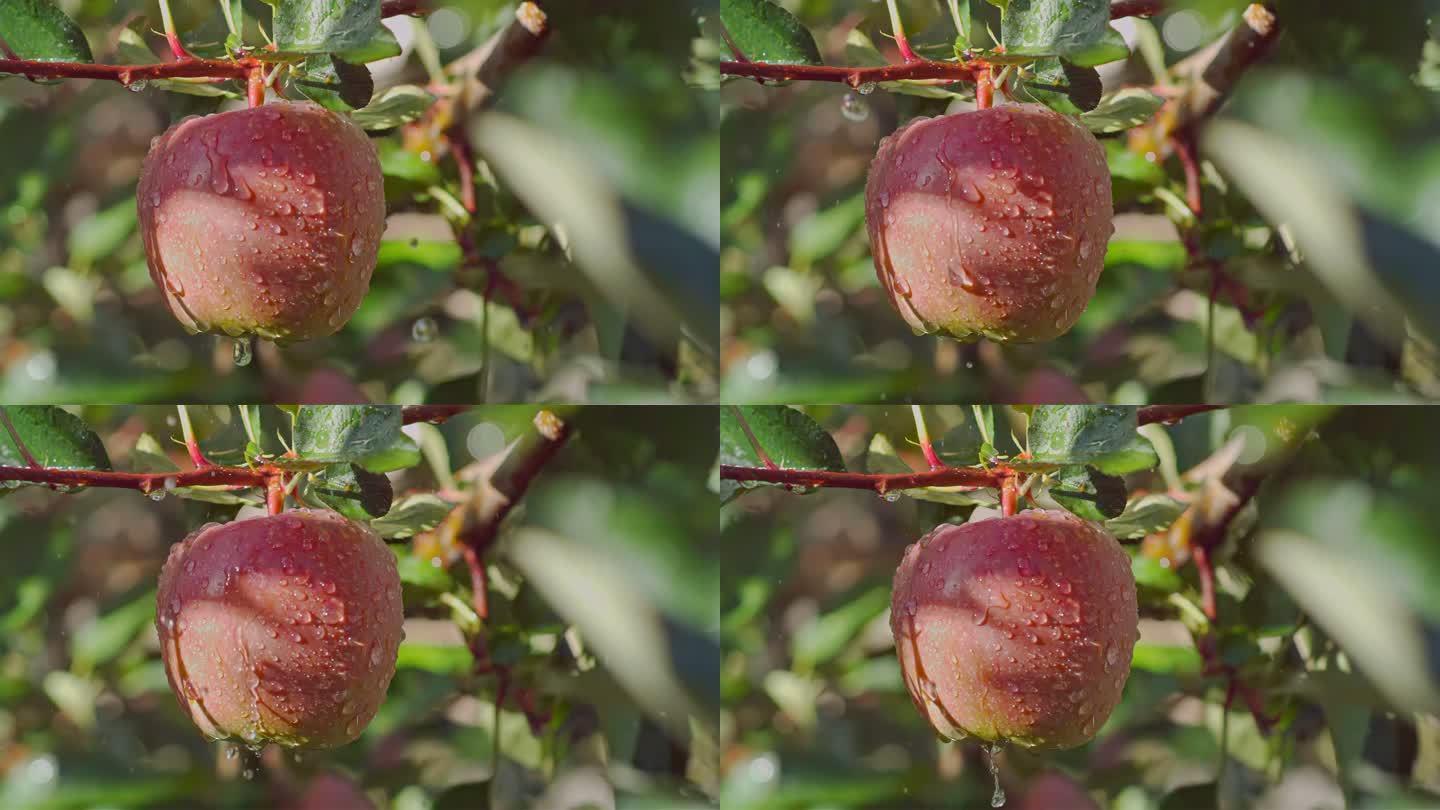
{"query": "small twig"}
pixel 901 41
pixel 171 37
pixel 924 435
pixel 507 486
pixel 1188 153
pixel 880 483
pixel 1206 570
pixel 458 139
pixel 1009 497
pixel 488 67
pixel 191 445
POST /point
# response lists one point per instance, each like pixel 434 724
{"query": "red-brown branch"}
pixel 880 483
pixel 143 482
pixel 857 76
pixel 1136 8
pixel 433 414
pixel 1170 414
pixel 129 74
pixel 396 8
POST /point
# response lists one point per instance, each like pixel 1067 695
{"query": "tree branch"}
pixel 1170 414
pixel 397 8
pixel 1135 8
pixel 858 76
pixel 433 414
pixel 129 74
pixel 880 483
pixel 143 482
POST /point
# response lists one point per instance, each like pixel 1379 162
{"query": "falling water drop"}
pixel 243 354
pixel 992 755
pixel 854 108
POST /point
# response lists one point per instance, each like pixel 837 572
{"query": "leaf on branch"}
pixel 334 83
pixel 368 435
pixel 350 29
pixel 765 32
pixel 396 106
pixel 39 31
pixel 1078 30
pixel 1122 110
pixel 790 438
pixel 53 436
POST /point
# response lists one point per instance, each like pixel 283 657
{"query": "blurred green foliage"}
pixel 615 657
pixel 1326 585
pixel 620 96
pixel 1319 187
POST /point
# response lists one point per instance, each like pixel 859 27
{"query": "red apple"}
pixel 990 223
pixel 282 628
pixel 263 221
pixel 1016 629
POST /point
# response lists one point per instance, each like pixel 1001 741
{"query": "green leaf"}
pixel 1192 797
pixel 1150 573
pixel 1165 659
pixel 350 29
pixel 412 515
pixel 368 435
pixel 39 31
pixel 397 105
pixel 1145 515
pixel 1076 29
pixel 765 32
pixel 830 634
pixel 334 83
pixel 102 233
pixel 1106 493
pixel 1079 434
pixel 105 638
pixel 54 437
pixel 790 438
pixel 1120 111
pixel 352 491
pixel 420 581
pixel 450 660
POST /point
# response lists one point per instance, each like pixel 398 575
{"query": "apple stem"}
pixel 256 87
pixel 1009 497
pixel 984 88
pixel 275 494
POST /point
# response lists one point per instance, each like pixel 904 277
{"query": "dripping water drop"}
pixel 992 758
pixel 854 108
pixel 242 353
